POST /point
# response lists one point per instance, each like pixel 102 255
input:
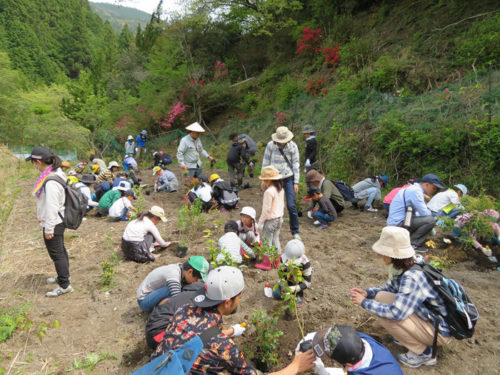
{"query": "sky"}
pixel 146 5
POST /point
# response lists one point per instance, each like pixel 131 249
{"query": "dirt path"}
pixel 94 321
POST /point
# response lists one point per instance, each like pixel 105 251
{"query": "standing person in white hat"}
pixel 283 154
pixel 130 146
pixel 190 149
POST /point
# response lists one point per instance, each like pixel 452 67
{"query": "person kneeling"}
pixel 230 243
pixel 326 213
pixel 405 302
pixel 120 210
pixel 139 235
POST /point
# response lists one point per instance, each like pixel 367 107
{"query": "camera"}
pixel 305 345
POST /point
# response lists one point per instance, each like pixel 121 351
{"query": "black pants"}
pixel 59 255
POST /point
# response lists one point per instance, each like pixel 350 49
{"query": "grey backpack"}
pixel 75 203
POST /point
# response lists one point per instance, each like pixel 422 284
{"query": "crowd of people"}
pixel 189 298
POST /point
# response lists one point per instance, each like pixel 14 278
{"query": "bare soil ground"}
pixel 95 321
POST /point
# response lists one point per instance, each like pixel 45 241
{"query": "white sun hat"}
pixel 395 243
pixel 195 127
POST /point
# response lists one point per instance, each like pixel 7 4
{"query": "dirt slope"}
pixel 94 321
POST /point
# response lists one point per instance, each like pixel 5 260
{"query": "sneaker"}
pixel 53 280
pixel 300 301
pixel 420 249
pixel 323 226
pixel 59 291
pixel 370 209
pixel 413 360
pixel 296 236
pixel 316 223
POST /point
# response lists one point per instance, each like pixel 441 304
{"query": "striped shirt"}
pixel 272 156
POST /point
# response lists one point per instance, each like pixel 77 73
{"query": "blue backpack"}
pixel 179 361
pixel 345 189
pixel 461 313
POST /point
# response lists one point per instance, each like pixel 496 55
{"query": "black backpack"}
pixel 346 190
pixel 462 314
pixel 75 203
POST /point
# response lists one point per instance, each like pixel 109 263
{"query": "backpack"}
pixel 179 361
pixel 75 203
pixel 346 190
pixel 462 314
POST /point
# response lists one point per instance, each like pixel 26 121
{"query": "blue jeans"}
pixel 372 194
pixel 452 214
pixel 154 298
pixel 323 218
pixel 386 206
pixel 195 172
pixel 277 295
pixel 290 204
pixel 123 216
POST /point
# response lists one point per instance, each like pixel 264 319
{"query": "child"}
pixel 247 227
pixel 112 196
pixel 236 159
pixel 72 177
pixel 86 181
pixel 130 145
pixel 294 253
pixel 273 205
pixel 202 191
pixel 356 352
pixel 232 244
pixel 129 163
pixel 447 203
pixel 223 193
pixel 165 180
pixel 139 235
pixel 167 281
pixel 82 166
pixel 120 210
pixel 326 213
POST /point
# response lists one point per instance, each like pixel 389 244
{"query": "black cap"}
pixel 231 226
pixel 39 153
pixel 433 179
pixel 339 342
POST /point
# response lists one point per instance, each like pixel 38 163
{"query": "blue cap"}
pixel 433 179
pixel 384 179
pixel 144 132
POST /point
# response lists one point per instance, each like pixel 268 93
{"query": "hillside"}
pixel 118 16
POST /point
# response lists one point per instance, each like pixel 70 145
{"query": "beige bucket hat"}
pixel 195 127
pixel 158 211
pixel 282 135
pixel 270 173
pixel 394 242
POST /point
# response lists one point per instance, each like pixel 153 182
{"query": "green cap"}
pixel 200 264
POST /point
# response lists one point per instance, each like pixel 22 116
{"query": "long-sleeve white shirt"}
pixel 50 203
pixel 137 229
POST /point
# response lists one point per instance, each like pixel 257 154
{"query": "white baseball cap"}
pixel 123 186
pixel 221 284
pixel 294 250
pixel 250 211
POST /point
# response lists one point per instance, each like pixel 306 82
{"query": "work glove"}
pixel 251 164
pixel 310 215
pixel 238 330
pixel 319 366
pixel 308 163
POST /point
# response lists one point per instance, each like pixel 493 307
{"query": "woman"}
pixel 140 234
pixel 403 302
pixel 50 196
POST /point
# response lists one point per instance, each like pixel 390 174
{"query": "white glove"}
pixel 307 337
pixel 251 164
pixel 238 330
pixel 308 163
pixel 310 215
pixel 320 369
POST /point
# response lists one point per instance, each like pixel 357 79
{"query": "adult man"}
pixel 224 287
pixel 422 220
pixel 165 180
pixel 327 188
pixel 140 142
pixel 283 154
pixel 251 150
pixel 130 146
pixel 190 149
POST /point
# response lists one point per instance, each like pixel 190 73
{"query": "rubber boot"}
pixel 276 263
pixel 266 263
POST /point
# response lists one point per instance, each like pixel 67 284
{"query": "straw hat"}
pixel 270 173
pixel 282 135
pixel 195 127
pixel 394 242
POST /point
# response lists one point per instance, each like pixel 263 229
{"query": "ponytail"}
pixel 53 160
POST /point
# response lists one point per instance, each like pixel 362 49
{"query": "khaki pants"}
pixel 414 333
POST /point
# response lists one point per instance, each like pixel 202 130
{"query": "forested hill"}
pixel 400 87
pixel 119 16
